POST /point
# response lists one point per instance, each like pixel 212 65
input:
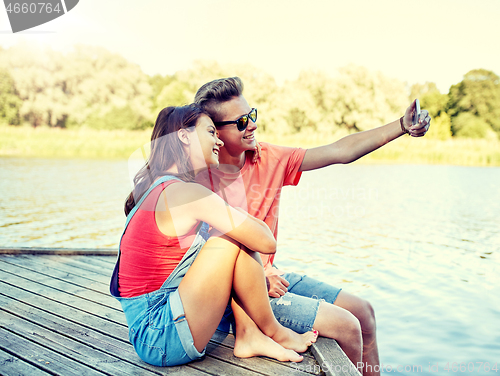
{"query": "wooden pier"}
pixel 58 318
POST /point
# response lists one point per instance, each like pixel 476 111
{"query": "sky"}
pixel 415 41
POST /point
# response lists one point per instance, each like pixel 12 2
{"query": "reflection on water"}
pixel 62 203
pixel 421 243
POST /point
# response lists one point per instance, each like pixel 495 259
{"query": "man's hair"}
pixel 215 92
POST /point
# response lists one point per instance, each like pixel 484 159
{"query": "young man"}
pixel 299 302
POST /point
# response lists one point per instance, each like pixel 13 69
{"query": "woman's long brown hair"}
pixel 167 150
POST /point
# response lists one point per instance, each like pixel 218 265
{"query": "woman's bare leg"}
pixel 250 281
pixel 206 288
pixel 250 341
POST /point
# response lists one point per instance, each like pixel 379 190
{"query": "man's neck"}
pixel 230 162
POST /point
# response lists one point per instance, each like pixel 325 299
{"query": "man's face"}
pixel 235 141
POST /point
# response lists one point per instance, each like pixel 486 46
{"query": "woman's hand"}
pixel 423 123
pixel 256 154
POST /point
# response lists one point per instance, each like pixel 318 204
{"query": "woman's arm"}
pixel 191 202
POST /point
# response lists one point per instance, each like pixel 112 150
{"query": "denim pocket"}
pixel 157 311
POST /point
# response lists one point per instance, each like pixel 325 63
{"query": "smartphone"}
pixel 416 115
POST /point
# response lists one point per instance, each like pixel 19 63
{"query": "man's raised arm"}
pixel 354 146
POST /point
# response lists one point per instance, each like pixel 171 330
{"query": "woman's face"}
pixel 204 145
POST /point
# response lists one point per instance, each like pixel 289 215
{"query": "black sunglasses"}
pixel 241 122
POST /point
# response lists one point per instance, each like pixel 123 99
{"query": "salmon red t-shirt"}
pixel 256 188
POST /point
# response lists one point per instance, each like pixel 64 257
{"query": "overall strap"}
pixel 161 180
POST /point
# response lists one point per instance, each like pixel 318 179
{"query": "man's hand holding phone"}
pixel 416 121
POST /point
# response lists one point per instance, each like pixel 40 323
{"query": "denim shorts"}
pixel 158 328
pixel 297 309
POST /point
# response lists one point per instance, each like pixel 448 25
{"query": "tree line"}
pixel 92 87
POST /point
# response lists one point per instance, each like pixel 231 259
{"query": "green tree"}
pixel 176 93
pixel 440 127
pixel 101 84
pixel 10 103
pixel 37 76
pixel 61 90
pixel 118 118
pixel 469 125
pixel 295 109
pixel 430 98
pixel 357 99
pixel 157 83
pixel 478 94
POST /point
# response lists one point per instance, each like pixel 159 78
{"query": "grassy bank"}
pixel 73 143
pixel 119 144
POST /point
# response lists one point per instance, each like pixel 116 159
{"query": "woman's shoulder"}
pixel 184 192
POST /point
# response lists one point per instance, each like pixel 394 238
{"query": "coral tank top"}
pixel 147 256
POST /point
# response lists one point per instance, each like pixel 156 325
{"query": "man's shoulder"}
pixel 277 149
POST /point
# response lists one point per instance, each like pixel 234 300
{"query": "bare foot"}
pixel 295 341
pixel 252 342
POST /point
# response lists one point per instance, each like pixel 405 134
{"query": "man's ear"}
pixel 183 136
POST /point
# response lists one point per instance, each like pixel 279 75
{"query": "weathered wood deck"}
pixel 57 318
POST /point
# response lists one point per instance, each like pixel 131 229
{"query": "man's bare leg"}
pixel 364 312
pixel 338 323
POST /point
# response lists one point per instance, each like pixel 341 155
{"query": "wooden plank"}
pixel 120 349
pixel 45 264
pixel 60 309
pixel 211 364
pixel 73 295
pixel 101 264
pixel 65 291
pixel 332 359
pixel 58 251
pixel 95 338
pixel 68 348
pixel 221 368
pixel 42 357
pixel 82 263
pixel 12 365
pixel 257 364
pixel 234 359
pixel 27 269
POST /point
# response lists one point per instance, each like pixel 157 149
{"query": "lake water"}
pixel 421 243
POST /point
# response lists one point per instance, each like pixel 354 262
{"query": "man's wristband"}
pixel 402 126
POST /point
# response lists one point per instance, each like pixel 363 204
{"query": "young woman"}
pixel 173 283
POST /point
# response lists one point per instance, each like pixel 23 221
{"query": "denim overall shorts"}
pixel 157 325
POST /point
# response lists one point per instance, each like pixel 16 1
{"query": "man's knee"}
pixel 366 316
pixel 353 327
pixel 338 323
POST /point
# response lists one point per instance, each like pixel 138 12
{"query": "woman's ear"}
pixel 183 136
